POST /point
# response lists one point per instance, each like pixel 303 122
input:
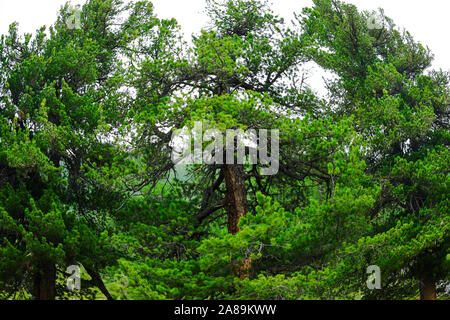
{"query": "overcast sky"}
pixel 428 20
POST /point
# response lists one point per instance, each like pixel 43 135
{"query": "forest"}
pixel 339 193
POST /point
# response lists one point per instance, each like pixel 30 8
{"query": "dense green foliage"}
pixel 86 175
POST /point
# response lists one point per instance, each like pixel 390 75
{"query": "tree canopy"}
pixel 88 116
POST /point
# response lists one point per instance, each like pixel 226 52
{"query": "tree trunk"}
pixel 236 207
pixel 45 282
pixel 236 196
pixel 427 290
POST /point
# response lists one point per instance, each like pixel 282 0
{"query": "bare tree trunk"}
pixel 236 207
pixel 45 282
pixel 236 197
pixel 427 290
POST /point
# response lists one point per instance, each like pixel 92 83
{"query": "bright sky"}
pixel 427 20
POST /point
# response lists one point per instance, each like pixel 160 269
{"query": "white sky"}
pixel 428 21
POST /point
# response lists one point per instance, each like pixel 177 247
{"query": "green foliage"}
pixel 86 175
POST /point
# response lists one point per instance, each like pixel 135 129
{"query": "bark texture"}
pixel 428 290
pixel 236 196
pixel 45 282
pixel 236 207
